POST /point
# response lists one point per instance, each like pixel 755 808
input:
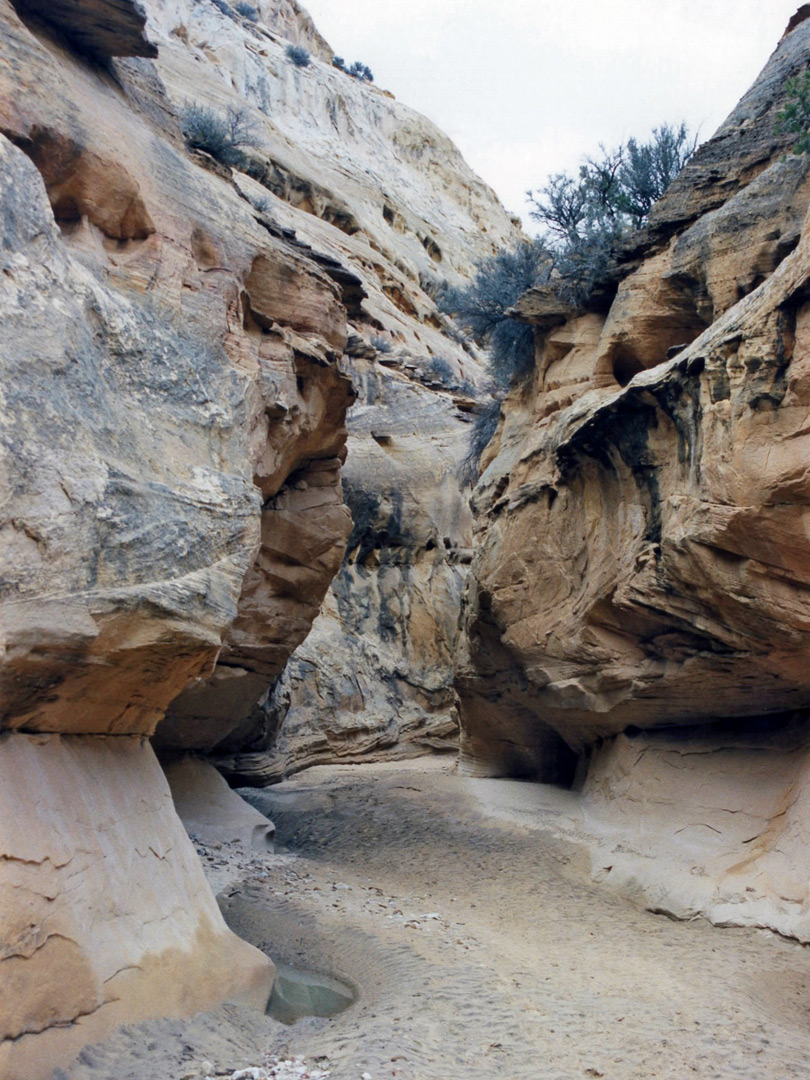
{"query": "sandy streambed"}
pixel 477 948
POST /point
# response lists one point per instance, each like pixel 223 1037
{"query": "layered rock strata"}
pixel 172 433
pixel 642 553
pixel 374 678
pixel 372 185
pixel 144 417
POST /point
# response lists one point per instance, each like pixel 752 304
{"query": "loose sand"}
pixel 478 950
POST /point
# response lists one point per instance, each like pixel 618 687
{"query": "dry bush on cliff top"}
pixel 586 217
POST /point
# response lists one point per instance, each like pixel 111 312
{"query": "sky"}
pixel 526 88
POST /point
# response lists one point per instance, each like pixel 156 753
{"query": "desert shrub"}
pixel 247 11
pixel 260 203
pixel 224 7
pixel 586 217
pixel 440 369
pixel 614 192
pixel 794 118
pixel 483 428
pixel 298 55
pixel 381 344
pixel 481 308
pixel 357 70
pixel 361 72
pixel 224 137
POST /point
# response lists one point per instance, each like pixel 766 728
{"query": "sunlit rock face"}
pixel 642 551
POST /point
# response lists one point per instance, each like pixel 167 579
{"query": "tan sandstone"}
pixel 642 552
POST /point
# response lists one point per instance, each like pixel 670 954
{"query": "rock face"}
pixel 178 343
pixel 102 28
pixel 374 678
pixel 378 191
pixel 642 551
pixel 718 827
pixel 144 938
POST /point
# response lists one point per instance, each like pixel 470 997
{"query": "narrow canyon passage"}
pixel 478 951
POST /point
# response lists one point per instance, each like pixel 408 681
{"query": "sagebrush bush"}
pixel 586 217
pixel 247 11
pixel 481 308
pixel 298 55
pixel 357 70
pixel 441 370
pixel 484 426
pixel 381 344
pixel 224 137
pixel 361 72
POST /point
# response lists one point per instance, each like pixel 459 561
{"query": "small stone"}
pixel 206 1068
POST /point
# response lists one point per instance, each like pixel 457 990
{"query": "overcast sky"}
pixel 526 87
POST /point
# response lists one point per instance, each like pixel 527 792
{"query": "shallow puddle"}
pixel 297 994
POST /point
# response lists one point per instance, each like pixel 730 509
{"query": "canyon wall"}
pixel 641 561
pixel 180 339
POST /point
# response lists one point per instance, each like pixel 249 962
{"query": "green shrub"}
pixel 299 55
pixel 223 137
pixel 794 118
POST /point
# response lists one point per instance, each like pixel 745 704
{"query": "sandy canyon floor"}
pixel 477 947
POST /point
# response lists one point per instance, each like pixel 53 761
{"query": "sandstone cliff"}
pixel 641 558
pixel 180 339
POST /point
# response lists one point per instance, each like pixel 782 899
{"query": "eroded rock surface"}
pixel 144 937
pixel 642 552
pixel 374 678
pixel 173 427
pixel 100 28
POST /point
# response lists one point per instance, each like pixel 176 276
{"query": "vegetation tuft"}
pixel 380 343
pixel 224 137
pixel 357 70
pixel 247 11
pixel 794 118
pixel 483 429
pixel 298 55
pixel 585 217
pixel 481 308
